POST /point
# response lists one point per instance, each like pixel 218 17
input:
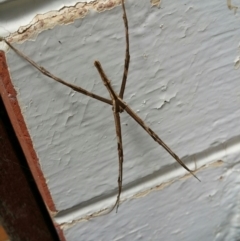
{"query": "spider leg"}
pixel 134 115
pixel 154 135
pixel 127 53
pixel 116 110
pixel 50 75
pixel 117 120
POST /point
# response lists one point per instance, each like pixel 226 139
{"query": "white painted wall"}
pixel 183 81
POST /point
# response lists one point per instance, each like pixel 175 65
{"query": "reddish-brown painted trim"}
pixel 20 213
pixel 9 97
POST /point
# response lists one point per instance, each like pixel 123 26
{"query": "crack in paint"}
pixel 204 159
pixel 67 225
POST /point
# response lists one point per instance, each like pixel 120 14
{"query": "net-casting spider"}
pixel 116 101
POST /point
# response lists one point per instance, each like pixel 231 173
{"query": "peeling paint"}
pixel 201 114
pixel 157 188
pixel 156 2
pixel 64 16
pixel 237 62
pixel 164 102
pixel 232 7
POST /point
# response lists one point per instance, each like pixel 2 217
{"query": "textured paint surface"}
pixel 209 211
pixel 182 81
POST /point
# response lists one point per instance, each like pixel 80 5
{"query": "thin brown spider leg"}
pixel 154 136
pixel 105 80
pixel 125 107
pixel 127 53
pixel 47 73
pixel 116 110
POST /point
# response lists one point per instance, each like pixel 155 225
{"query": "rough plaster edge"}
pixel 63 16
pixel 68 15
